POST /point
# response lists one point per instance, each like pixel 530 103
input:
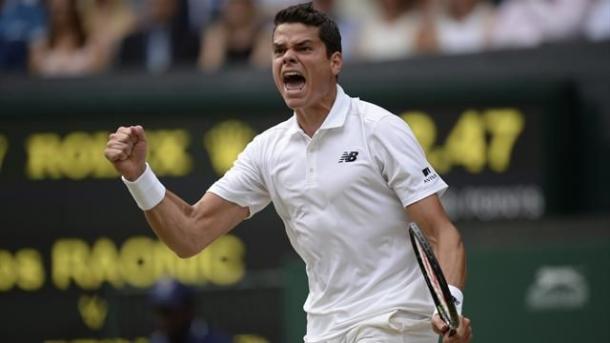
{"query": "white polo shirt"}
pixel 341 195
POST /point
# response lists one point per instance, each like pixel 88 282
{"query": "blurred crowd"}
pixel 83 37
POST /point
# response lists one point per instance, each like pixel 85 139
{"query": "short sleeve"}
pixel 402 161
pixel 243 184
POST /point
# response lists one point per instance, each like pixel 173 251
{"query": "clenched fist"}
pixel 462 335
pixel 126 150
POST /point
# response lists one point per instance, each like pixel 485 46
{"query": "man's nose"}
pixel 289 57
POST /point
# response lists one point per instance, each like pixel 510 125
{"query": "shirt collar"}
pixel 335 118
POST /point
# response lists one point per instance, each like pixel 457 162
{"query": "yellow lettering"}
pixel 80 155
pixel 168 154
pixel 222 262
pixel 25 270
pixel 103 263
pixel 423 128
pixel 425 131
pixel 164 261
pixel 505 126
pixel 69 259
pixel 93 311
pixel 3 149
pixel 44 156
pixel 30 268
pixel 466 144
pixel 225 141
pixel 137 264
pixel 167 264
pixel 101 167
pixel 76 155
pixel 187 270
pixel 249 339
pixel 8 274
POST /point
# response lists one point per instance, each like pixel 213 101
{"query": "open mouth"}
pixel 294 81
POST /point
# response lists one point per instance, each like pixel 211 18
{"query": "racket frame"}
pixel 450 315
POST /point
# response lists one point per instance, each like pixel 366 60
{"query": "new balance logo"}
pixel 348 156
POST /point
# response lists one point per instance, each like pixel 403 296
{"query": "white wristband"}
pixel 458 296
pixel 459 299
pixel 146 190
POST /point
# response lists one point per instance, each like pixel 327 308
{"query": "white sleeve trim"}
pixel 229 196
pixel 439 190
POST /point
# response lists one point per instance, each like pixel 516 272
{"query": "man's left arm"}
pixel 402 163
pixel 430 216
pixel 445 239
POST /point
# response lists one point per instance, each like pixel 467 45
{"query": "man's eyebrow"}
pixel 301 43
pixel 278 45
pixel 305 42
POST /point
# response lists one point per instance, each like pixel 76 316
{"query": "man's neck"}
pixel 310 119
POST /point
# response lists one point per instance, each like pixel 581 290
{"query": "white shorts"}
pixel 394 327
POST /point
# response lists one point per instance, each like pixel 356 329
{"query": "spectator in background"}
pixel 348 28
pixel 21 22
pixel 528 23
pixel 107 20
pixel 463 26
pixel 391 32
pixel 270 7
pixel 597 26
pixel 67 50
pixel 174 307
pixel 162 38
pixel 201 13
pixel 238 37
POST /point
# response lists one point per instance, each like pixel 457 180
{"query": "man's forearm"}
pixel 452 256
pixel 172 222
pixel 189 229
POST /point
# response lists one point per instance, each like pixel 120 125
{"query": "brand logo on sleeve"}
pixel 428 174
pixel 349 156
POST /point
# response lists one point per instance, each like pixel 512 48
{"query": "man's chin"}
pixel 294 103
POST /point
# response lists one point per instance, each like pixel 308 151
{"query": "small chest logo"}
pixel 348 156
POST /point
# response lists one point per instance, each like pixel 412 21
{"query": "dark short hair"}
pixel 309 16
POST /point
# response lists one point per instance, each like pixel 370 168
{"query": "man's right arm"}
pixel 184 228
pixel 188 229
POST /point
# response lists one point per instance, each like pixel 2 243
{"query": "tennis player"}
pixel 345 176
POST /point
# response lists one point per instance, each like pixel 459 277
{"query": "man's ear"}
pixel 336 62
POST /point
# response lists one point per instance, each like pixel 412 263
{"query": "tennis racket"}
pixel 444 301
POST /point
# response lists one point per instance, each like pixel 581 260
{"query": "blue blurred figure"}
pixel 21 22
pixel 174 305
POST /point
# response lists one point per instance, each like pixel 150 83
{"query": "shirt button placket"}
pixel 311 162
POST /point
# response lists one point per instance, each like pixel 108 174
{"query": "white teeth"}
pixel 292 73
